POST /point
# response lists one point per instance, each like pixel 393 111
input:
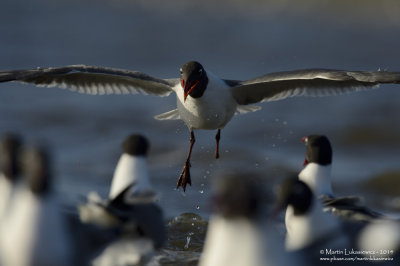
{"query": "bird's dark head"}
pixel 136 145
pixel 318 150
pixel 193 79
pixel 10 146
pixel 295 193
pixel 237 196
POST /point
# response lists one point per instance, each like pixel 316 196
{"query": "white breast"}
pixel 237 242
pixel 304 230
pixel 212 110
pixel 33 233
pixel 318 178
pixel 130 169
pixel 5 194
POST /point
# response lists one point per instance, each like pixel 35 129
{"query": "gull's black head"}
pixel 10 146
pixel 318 151
pixel 194 79
pixel 136 145
pixel 236 196
pixel 36 167
pixel 297 194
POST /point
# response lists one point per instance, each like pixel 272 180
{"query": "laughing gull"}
pixel 307 225
pixel 204 101
pixel 129 208
pixel 34 232
pixel 237 233
pixel 132 169
pixel 317 175
pixel 10 146
pixel 130 184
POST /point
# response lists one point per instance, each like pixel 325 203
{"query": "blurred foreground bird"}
pixel 10 146
pixel 238 233
pixel 307 225
pixel 34 231
pixel 130 209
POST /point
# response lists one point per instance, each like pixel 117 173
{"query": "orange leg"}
pixel 184 178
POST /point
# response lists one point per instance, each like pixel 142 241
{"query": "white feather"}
pixel 318 178
pixel 130 169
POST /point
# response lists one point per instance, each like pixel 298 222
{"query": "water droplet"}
pixel 202 185
pixel 226 151
pixel 187 242
pixel 201 191
pixel 284 123
pixel 207 172
pixel 198 207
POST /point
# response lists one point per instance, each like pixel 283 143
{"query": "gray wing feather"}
pixel 93 80
pixel 309 82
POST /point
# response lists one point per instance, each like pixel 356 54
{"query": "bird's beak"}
pixel 188 87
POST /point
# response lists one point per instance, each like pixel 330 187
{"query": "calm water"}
pixel 234 42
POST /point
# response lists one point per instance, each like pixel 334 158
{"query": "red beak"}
pixel 188 88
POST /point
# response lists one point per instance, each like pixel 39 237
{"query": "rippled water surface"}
pixel 233 41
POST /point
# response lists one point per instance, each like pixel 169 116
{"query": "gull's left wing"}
pixel 308 82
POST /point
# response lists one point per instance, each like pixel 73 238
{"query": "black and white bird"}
pixel 132 169
pixel 34 231
pixel 130 184
pixel 204 101
pixel 317 175
pixel 10 146
pixel 238 233
pixel 307 225
pixel 129 208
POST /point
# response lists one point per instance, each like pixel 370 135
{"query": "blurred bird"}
pixel 34 232
pixel 317 175
pixel 132 169
pixel 237 234
pixel 382 236
pixel 130 184
pixel 204 101
pixel 130 209
pixel 10 146
pixel 307 225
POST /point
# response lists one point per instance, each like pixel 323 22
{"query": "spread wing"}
pixel 92 80
pixel 308 82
